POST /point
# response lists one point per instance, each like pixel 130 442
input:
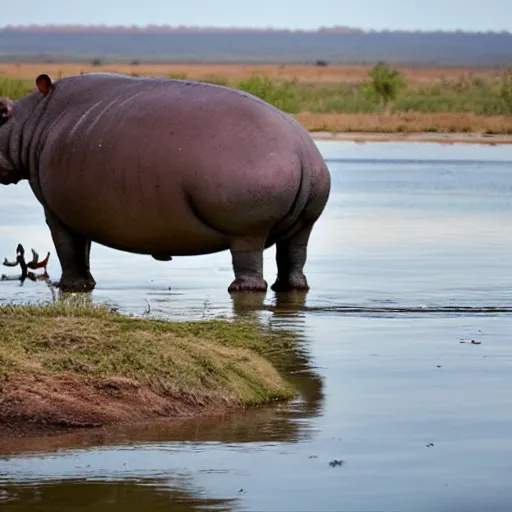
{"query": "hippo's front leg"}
pixel 247 258
pixel 73 251
pixel 248 269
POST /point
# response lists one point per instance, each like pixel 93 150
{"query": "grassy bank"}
pixel 78 365
pixel 379 100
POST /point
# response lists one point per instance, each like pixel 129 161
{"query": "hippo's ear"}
pixel 44 84
pixel 5 109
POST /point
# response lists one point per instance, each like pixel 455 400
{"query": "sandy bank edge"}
pixel 437 138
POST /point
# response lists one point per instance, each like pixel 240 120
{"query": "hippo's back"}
pixel 153 101
pixel 164 154
pixel 199 126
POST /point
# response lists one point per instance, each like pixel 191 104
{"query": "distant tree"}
pixel 321 62
pixel 385 83
pixel 97 62
pixel 135 62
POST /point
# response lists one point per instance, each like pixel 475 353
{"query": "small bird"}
pixel 35 263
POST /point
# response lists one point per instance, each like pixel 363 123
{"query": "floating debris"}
pixel 336 462
pixel 32 265
pixel 430 445
pixel 471 342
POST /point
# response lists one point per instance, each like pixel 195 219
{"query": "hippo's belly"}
pixel 142 223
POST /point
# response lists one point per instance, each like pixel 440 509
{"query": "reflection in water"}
pixel 269 424
pixel 130 495
pixel 285 304
pixel 246 304
pixel 286 314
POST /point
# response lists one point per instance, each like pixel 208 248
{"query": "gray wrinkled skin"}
pixel 165 168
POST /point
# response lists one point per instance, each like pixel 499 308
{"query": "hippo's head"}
pixel 7 171
pixel 13 115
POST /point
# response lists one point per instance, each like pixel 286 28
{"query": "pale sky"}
pixel 308 14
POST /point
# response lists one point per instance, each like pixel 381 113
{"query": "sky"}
pixel 306 14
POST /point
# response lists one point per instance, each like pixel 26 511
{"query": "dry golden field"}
pixel 413 122
pixel 467 99
pixel 231 72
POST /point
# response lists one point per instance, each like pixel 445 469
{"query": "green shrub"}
pixel 385 83
pixel 283 95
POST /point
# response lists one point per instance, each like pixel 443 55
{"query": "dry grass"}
pixel 436 100
pixel 413 122
pixel 82 365
pixel 233 72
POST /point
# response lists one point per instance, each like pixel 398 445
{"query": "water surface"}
pixel 411 255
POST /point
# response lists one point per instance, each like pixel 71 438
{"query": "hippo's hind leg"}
pixel 291 255
pixel 292 245
pixel 247 258
pixel 73 251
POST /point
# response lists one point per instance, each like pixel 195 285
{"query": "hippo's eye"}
pixel 4 114
pixel 5 111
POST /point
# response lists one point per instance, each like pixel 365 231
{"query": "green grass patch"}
pixel 13 88
pixel 214 359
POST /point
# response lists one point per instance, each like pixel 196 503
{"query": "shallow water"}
pixel 411 255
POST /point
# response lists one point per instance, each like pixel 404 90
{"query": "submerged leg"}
pixel 247 258
pixel 73 251
pixel 291 255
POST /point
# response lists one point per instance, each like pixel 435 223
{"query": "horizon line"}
pixel 151 27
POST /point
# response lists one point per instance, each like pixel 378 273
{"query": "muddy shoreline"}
pixel 437 138
pixel 40 406
pixel 59 405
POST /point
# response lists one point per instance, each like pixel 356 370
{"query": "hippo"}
pixel 165 168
